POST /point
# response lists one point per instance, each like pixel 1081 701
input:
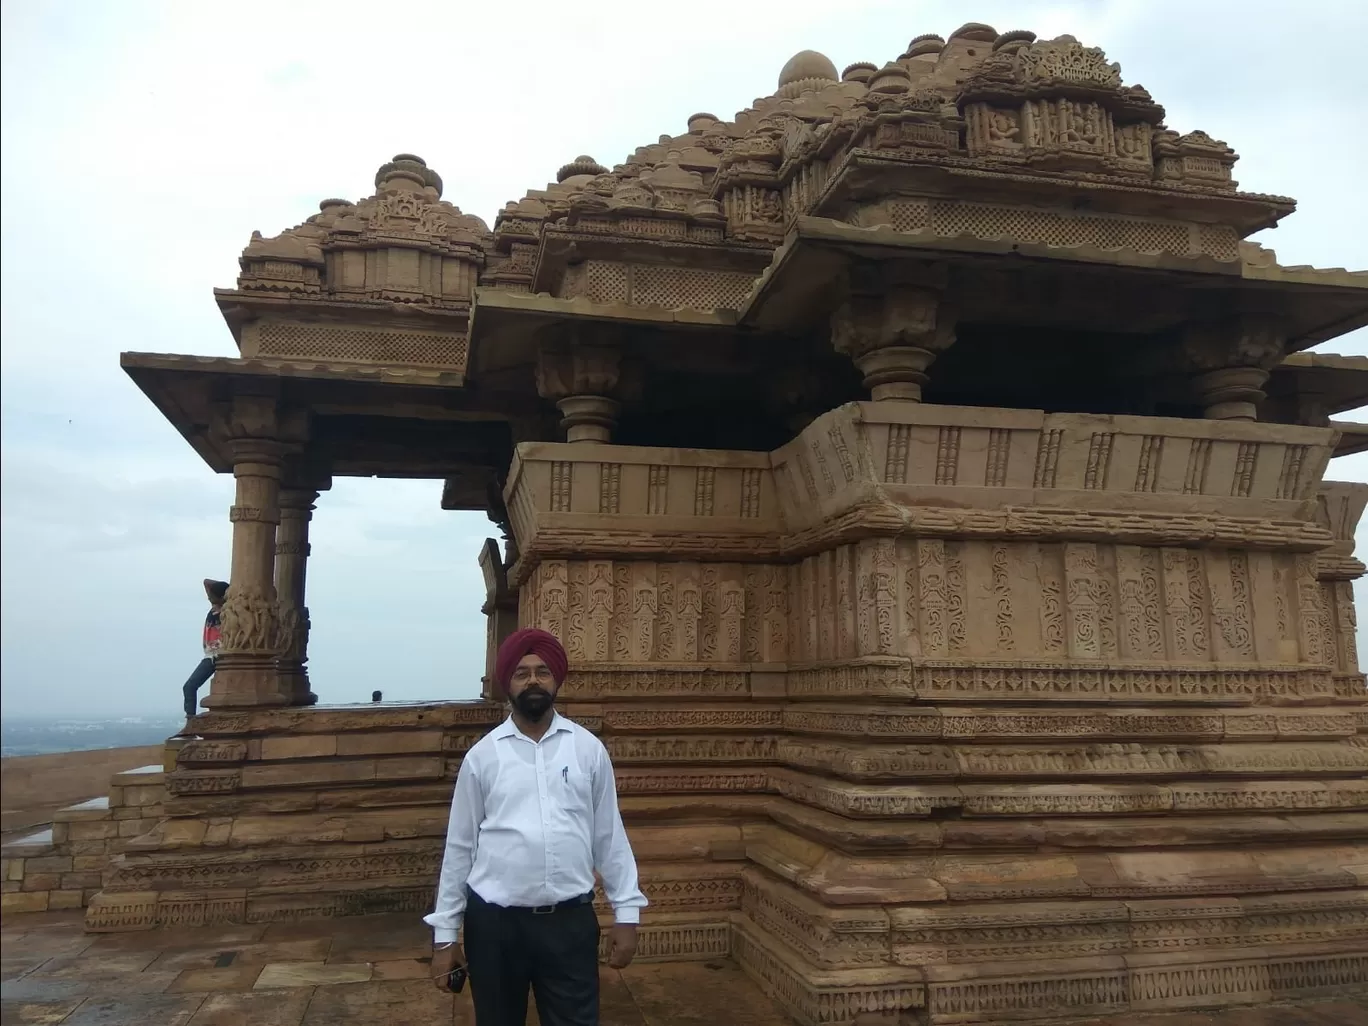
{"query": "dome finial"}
pixel 408 172
pixel 581 165
pixel 807 70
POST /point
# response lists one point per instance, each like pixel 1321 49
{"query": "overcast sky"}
pixel 143 143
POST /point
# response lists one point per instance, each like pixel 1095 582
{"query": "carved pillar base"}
pixel 243 681
pixel 588 418
pixel 1233 393
pixel 292 667
pixel 246 673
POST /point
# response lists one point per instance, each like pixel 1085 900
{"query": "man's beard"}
pixel 533 702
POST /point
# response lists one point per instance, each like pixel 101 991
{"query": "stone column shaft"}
pixel 291 567
pixel 246 672
pixel 501 609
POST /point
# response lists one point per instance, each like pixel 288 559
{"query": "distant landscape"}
pixel 44 736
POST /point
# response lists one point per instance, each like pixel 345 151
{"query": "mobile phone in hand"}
pixel 456 979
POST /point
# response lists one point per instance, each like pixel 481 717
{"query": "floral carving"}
pixel 1197 591
pixel 932 589
pixel 1051 607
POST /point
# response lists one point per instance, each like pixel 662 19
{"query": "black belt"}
pixel 538 910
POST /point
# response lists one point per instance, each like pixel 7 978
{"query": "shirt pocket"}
pixel 571 785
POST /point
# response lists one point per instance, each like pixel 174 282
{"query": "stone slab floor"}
pixel 371 972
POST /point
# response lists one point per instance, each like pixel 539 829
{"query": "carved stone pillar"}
pixel 291 568
pixel 581 376
pixel 893 335
pixel 1230 360
pixel 246 672
pixel 501 608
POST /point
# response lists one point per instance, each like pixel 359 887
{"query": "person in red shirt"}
pixel 217 591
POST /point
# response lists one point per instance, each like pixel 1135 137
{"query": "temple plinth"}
pixel 928 480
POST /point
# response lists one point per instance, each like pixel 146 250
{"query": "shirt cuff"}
pixel 627 915
pixel 445 935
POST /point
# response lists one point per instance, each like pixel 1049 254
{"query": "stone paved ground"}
pixel 371 972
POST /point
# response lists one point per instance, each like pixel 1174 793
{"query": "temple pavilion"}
pixel 927 479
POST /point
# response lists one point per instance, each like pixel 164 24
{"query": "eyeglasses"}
pixel 542 675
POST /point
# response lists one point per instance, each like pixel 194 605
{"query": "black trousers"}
pixel 509 949
pixel 191 687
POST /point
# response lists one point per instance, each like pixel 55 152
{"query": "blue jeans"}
pixel 202 673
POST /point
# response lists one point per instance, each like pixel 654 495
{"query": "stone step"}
pixel 32 845
pixel 89 811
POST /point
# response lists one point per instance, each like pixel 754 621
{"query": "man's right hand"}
pixel 443 961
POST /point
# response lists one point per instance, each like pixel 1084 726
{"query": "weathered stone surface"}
pixel 311 974
pixel 254 1008
pixel 943 678
pixel 171 1009
pixel 32 901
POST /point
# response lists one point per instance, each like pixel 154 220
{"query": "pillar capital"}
pixel 258 456
pixel 1229 359
pixel 582 365
pixel 582 374
pixel 893 336
pixel 298 500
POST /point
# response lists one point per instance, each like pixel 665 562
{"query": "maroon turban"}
pixel 525 642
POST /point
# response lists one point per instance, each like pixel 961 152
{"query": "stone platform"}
pixel 363 971
pixel 1079 750
pixel 368 971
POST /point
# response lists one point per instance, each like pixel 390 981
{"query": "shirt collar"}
pixel 509 729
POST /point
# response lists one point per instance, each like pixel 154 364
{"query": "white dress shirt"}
pixel 530 822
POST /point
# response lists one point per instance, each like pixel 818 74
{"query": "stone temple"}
pixel 928 483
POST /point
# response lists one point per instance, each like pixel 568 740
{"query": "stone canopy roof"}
pixel 998 104
pixel 1023 180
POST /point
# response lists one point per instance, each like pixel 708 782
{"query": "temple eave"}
pixel 364 420
pixel 1353 437
pixel 809 267
pixel 865 173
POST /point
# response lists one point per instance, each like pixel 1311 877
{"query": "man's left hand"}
pixel 622 945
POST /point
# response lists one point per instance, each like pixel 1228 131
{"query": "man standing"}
pixel 217 591
pixel 534 814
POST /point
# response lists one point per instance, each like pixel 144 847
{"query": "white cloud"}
pixel 143 142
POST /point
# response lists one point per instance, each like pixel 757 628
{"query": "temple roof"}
pixel 1023 112
pixel 1044 192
